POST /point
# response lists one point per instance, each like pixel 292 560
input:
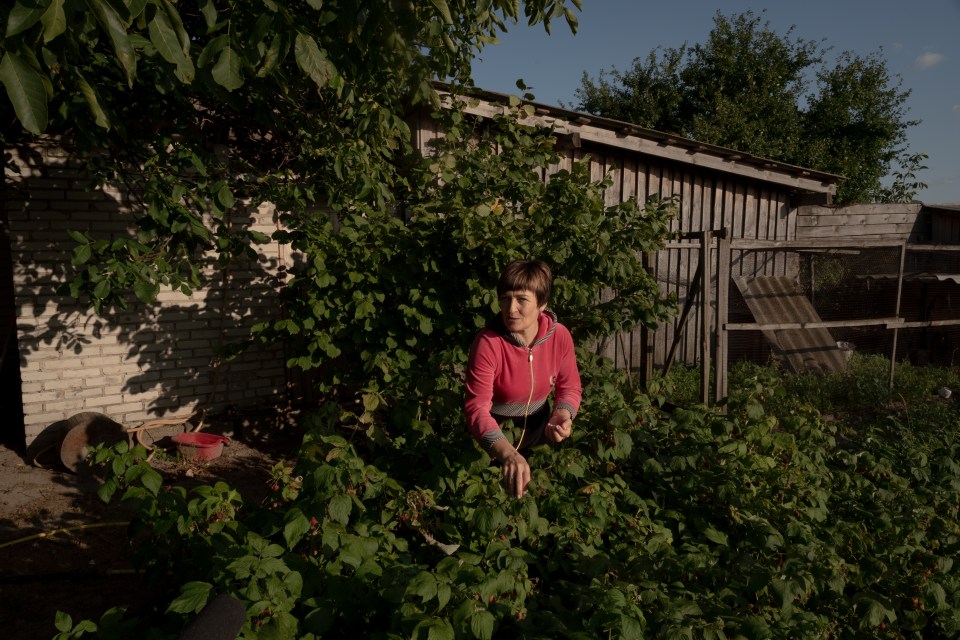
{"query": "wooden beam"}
pixel 823 324
pixel 814 243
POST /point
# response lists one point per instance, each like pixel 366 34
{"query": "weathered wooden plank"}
pixel 855 220
pixel 737 215
pixel 891 231
pixel 751 227
pixel 817 243
pixel 767 217
pixel 816 324
pixel 726 215
pixel 721 354
pixel 628 182
pixel 613 195
pixel 643 188
pixel 862 209
pixel 702 215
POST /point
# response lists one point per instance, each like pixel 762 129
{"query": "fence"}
pixel 836 295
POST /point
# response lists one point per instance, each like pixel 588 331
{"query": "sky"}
pixel 918 39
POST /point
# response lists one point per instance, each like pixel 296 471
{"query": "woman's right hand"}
pixel 516 471
pixel 516 474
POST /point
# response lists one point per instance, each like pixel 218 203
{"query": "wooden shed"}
pixel 896 286
pixel 723 194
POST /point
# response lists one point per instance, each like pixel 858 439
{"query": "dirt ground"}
pixel 86 569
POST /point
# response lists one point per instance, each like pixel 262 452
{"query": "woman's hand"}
pixel 559 426
pixel 516 471
pixel 516 475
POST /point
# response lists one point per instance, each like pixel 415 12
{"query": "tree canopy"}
pixel 199 109
pixel 771 95
pixel 196 105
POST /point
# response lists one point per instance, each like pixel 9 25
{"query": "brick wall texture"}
pixel 145 362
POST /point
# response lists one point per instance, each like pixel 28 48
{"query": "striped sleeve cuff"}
pixel 568 407
pixel 487 439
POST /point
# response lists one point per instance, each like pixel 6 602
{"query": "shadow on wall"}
pixel 146 361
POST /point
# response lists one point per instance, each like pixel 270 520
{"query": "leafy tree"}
pixel 749 88
pixel 200 106
pixel 390 300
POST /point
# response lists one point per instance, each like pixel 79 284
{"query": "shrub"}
pixel 761 522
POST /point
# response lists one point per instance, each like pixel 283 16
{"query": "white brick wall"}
pixel 134 365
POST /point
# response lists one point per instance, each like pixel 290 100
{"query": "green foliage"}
pixel 749 88
pixel 764 522
pixel 389 302
pixel 905 184
pixel 199 109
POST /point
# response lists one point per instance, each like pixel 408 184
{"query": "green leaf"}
pixel 487 519
pixel 443 593
pixel 54 21
pixel 423 585
pixel 481 624
pixel 755 628
pixel 151 480
pixel 25 89
pixel 437 629
pixel 23 15
pixel 102 289
pixel 937 593
pixel 296 526
pixel 313 61
pixel 716 536
pixel 225 197
pixel 193 597
pixel 106 490
pixel 426 325
pixel 93 101
pixel 339 508
pixel 169 44
pixel 111 22
pixel 145 291
pixel 227 69
pixel 63 622
pixel 444 10
pixel 81 254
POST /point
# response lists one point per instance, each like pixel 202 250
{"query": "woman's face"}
pixel 520 312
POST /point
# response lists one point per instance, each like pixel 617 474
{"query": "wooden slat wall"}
pixel 945 228
pixel 709 200
pixel 878 221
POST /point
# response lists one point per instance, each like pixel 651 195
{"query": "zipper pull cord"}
pixel 526 411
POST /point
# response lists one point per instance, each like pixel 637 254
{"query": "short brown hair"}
pixel 534 275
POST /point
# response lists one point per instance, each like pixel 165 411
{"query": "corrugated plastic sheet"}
pixel 778 300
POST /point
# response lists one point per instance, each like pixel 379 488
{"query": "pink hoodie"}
pixel 501 373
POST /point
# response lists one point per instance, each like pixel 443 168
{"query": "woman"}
pixel 522 356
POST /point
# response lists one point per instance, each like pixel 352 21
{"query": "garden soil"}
pixel 63 549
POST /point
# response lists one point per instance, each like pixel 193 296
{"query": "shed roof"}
pixel 630 137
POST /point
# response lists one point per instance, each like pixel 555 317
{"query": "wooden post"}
pixel 646 340
pixel 893 352
pixel 721 355
pixel 706 328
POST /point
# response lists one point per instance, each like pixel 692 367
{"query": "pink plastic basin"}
pixel 200 446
